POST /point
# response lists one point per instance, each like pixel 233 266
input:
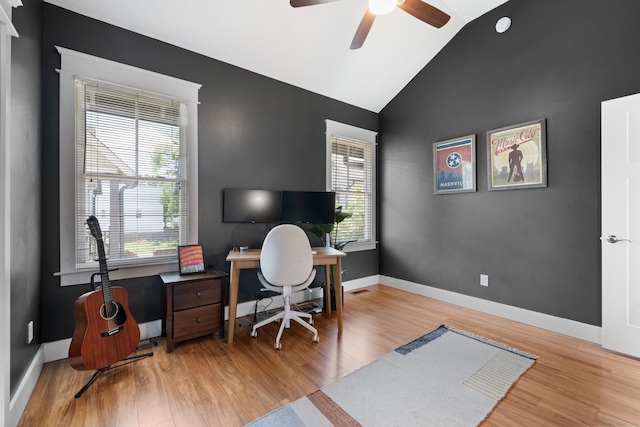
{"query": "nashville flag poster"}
pixel 454 165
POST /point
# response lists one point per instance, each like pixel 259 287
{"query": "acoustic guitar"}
pixel 106 332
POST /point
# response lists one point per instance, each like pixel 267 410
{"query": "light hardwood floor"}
pixel 206 382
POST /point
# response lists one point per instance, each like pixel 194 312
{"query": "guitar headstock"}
pixel 94 227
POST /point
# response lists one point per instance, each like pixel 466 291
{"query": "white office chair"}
pixel 286 265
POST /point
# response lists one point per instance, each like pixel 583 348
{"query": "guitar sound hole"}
pixel 113 312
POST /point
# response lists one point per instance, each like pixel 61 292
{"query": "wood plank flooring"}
pixel 206 382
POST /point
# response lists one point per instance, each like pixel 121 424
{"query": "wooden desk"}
pixel 251 259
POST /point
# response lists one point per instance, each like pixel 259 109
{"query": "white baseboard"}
pixel 59 349
pixel 352 285
pixel 540 320
pixel 25 388
pixel 248 307
pixel 151 329
pixel 56 350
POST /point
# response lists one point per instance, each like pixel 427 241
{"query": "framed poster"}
pixel 454 165
pixel 190 259
pixel 517 156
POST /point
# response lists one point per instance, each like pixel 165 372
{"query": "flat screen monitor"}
pixel 251 205
pixel 312 207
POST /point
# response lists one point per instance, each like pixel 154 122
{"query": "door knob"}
pixel 613 239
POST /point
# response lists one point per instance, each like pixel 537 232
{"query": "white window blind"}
pixel 131 169
pixel 352 180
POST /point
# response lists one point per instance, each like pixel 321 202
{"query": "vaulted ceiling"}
pixel 307 47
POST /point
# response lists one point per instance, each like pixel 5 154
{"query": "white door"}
pixel 621 225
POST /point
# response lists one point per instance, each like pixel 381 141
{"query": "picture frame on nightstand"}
pixel 190 259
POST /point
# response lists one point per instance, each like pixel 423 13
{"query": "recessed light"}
pixel 503 24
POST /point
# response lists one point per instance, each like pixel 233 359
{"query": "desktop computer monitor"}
pixel 252 206
pixel 311 207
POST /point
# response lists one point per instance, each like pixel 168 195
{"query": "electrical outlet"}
pixel 484 280
pixel 30 332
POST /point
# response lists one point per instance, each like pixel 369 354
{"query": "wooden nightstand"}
pixel 193 305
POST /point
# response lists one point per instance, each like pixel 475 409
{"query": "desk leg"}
pixel 337 278
pixel 327 288
pixel 233 301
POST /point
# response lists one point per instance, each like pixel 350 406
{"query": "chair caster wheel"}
pixel 254 334
pixel 277 346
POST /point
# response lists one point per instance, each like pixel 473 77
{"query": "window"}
pixel 131 160
pixel 351 174
pixel 131 163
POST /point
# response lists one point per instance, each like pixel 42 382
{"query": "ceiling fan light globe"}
pixel 380 7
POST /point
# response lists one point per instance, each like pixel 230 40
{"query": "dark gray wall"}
pixel 254 132
pixel 25 186
pixel 540 247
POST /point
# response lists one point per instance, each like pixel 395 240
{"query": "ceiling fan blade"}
pixel 301 3
pixel 363 30
pixel 424 12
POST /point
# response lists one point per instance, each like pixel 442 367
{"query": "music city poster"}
pixel 516 156
pixel 454 164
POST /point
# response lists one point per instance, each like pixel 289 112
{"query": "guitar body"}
pixel 97 342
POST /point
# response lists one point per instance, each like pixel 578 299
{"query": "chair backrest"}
pixel 286 258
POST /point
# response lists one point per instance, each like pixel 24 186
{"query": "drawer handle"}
pixel 198 320
pixel 198 294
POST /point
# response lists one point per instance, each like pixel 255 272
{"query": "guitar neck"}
pixel 104 276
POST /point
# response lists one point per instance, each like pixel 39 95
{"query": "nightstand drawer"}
pixel 188 295
pixel 196 320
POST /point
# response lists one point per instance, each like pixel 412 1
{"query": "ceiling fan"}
pixel 417 8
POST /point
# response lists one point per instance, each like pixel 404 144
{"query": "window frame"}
pixel 342 130
pixel 75 64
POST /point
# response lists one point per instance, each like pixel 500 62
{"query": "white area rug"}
pixel 446 378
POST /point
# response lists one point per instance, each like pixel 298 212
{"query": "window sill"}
pixel 83 277
pixel 357 247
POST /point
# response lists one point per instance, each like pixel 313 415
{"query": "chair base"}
pixel 285 317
